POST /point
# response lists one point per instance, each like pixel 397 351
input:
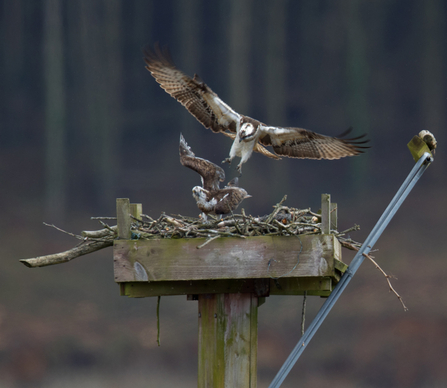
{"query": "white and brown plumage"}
pixel 429 139
pixel 249 134
pixel 211 198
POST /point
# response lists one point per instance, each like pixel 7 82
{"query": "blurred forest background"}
pixel 82 123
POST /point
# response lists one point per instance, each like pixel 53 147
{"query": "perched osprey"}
pixel 249 134
pixel 429 139
pixel 211 198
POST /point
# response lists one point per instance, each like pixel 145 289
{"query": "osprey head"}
pixel 199 193
pixel 247 132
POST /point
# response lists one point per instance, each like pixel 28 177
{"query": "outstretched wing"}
pixel 229 199
pixel 194 95
pixel 211 174
pixel 303 144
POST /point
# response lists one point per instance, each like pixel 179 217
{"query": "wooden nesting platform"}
pixel 230 277
pixel 264 265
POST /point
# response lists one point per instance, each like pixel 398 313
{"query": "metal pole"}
pixel 417 171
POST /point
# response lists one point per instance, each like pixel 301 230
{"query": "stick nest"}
pixel 283 221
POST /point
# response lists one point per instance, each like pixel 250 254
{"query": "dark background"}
pixel 82 123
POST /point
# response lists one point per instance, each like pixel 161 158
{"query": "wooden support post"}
pixel 325 213
pixel 123 220
pixel 228 340
pixel 136 209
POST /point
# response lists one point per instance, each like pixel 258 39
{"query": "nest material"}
pixel 283 221
pixel 287 222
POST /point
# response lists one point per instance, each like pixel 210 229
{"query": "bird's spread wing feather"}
pixel 228 199
pixel 194 95
pixel 211 173
pixel 304 144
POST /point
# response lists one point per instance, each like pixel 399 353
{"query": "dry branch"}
pixel 63 257
pixel 353 247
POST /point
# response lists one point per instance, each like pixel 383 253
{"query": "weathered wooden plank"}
pixel 286 286
pixel 339 265
pixel 123 219
pixel 318 286
pixel 325 213
pixel 259 287
pixel 227 340
pixel 283 286
pixel 225 258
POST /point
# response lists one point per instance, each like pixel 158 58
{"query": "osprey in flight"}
pixel 211 198
pixel 249 134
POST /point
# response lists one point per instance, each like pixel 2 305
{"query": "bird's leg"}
pixel 239 169
pixel 233 151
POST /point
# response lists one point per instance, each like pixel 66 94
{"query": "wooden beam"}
pixel 317 286
pixel 225 258
pixel 261 287
pixel 228 338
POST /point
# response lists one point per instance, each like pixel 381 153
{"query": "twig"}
pixel 146 216
pixel 208 241
pixel 315 214
pixel 351 229
pixel 236 223
pixel 174 222
pixel 387 277
pixel 276 210
pixel 100 233
pixel 204 231
pixel 136 218
pixel 64 231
